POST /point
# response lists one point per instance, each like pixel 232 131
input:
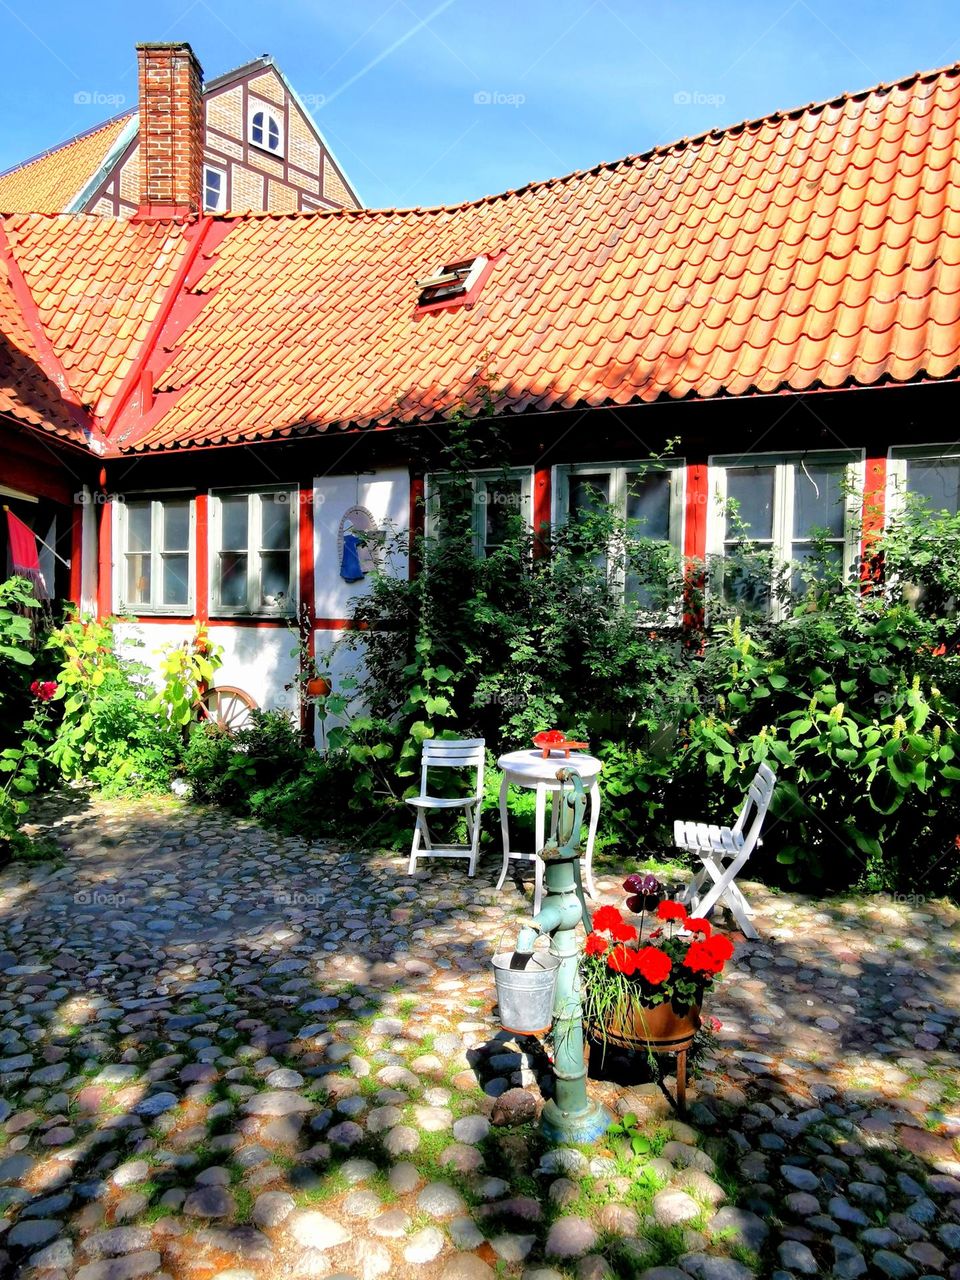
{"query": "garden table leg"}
pixel 504 831
pixel 591 836
pixel 539 839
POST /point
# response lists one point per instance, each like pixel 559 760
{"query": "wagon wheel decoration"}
pixel 227 707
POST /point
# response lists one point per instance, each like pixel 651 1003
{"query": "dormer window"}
pixel 452 283
pixel 264 130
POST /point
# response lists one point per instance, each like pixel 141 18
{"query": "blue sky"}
pixel 436 101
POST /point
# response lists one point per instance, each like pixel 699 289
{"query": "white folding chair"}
pixel 448 753
pixel 732 846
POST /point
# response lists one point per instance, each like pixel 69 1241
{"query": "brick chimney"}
pixel 171 131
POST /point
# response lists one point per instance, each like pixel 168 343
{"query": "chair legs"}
pixel 420 832
pixel 723 890
pixel 473 831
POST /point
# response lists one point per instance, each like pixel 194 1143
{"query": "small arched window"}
pixel 265 130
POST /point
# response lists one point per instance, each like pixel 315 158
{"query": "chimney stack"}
pixel 171 131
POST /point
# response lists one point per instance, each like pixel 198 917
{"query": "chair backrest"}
pixel 758 801
pixel 453 753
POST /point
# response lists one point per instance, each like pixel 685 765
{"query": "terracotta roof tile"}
pixel 819 247
pixel 49 182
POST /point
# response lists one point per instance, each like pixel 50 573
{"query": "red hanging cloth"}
pixel 23 552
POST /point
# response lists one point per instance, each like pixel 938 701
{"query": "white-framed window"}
pixel 649 496
pixel 264 128
pixel 214 189
pixel 497 498
pixel 253 551
pixel 154 567
pixel 795 506
pixel 931 472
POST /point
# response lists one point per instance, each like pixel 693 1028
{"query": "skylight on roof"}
pixel 451 282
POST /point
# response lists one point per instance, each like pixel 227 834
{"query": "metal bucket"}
pixel 526 985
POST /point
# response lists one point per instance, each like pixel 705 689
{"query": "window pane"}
pixel 138 526
pixel 256 131
pixel 274 134
pixel 502 503
pixel 588 493
pixel 816 566
pixel 233 579
pixel 176 526
pixel 648 502
pixel 937 480
pixel 818 498
pixel 176 586
pixel 452 502
pixel 233 523
pixel 746 583
pixel 275 571
pixel 275 521
pixel 751 488
pixel 138 580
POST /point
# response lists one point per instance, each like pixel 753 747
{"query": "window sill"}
pixel 185 613
pixel 267 151
pixel 244 615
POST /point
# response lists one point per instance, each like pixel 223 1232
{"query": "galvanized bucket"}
pixel 526 984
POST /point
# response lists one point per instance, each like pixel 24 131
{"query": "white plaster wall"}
pixel 386 494
pixel 142 641
pixel 255 659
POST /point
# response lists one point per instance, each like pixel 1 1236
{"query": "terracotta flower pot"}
pixel 662 1028
pixel 318 687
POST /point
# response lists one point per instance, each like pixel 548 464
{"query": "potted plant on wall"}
pixel 646 993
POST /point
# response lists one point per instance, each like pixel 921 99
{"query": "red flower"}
pixel 700 960
pixel 606 917
pixel 622 960
pixel 710 955
pixel 696 924
pixel 721 947
pixel 595 944
pixel 44 689
pixel 671 911
pixel 653 964
pixel 623 932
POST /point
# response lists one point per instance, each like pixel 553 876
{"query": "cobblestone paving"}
pixel 229 1054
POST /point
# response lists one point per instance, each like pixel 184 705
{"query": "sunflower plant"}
pixel 679 959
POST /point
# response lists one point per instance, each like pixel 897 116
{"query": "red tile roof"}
pixel 816 248
pixel 50 182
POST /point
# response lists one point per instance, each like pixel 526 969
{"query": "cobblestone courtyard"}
pixel 225 1053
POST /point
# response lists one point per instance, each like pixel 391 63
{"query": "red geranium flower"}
pixel 653 964
pixel 702 959
pixel 44 689
pixel 622 960
pixel 697 924
pixel 595 944
pixel 623 932
pixel 720 946
pixel 671 911
pixel 606 918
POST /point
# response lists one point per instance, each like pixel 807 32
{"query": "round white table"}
pixel 529 769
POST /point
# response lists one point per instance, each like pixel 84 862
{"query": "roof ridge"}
pixel 638 157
